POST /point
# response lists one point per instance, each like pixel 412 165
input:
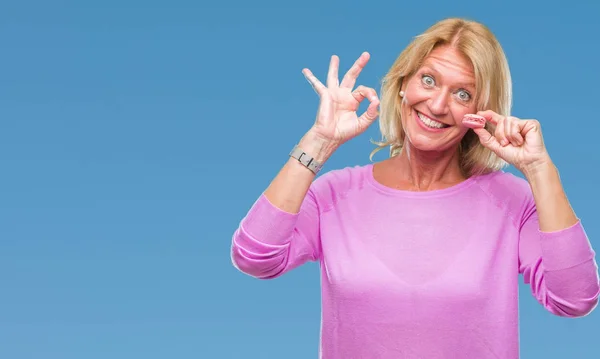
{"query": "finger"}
pixel 500 133
pixel 514 131
pixel 507 130
pixel 363 92
pixel 332 75
pixel 350 77
pixel 491 116
pixel 315 83
pixel 371 113
pixel 528 126
pixel 487 140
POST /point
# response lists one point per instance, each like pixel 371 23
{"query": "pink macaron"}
pixel 474 121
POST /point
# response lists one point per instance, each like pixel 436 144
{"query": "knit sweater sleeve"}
pixel 559 267
pixel 270 242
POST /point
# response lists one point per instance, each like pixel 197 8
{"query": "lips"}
pixel 429 122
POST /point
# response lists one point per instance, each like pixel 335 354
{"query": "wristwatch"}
pixel 305 159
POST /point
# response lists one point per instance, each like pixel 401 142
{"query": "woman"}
pixel 420 253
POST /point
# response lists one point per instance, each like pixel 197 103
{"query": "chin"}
pixel 423 144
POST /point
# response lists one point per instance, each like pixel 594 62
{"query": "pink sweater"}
pixel 421 274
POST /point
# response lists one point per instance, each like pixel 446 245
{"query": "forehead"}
pixel 451 64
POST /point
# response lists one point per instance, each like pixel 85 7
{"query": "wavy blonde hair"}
pixel 492 79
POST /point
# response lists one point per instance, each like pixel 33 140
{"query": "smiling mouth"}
pixel 429 122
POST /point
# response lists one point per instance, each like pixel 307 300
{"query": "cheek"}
pixel 406 108
pixel 459 111
pixel 413 94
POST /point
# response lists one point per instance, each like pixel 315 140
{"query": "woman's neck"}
pixel 428 170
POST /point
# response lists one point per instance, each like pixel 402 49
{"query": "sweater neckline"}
pixel 419 194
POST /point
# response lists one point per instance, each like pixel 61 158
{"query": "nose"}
pixel 439 102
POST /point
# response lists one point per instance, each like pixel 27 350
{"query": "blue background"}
pixel 134 136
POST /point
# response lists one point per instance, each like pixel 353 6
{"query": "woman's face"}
pixel 436 98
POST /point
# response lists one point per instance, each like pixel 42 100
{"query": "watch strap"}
pixel 305 159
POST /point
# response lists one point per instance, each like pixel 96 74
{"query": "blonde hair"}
pixel 493 86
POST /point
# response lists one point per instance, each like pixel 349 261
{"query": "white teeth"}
pixel 429 122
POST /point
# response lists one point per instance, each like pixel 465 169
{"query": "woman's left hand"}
pixel 517 141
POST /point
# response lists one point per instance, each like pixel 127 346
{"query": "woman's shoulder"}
pixel 338 182
pixel 505 188
pixel 344 177
pixel 503 181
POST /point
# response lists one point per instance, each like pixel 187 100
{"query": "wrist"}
pixel 543 179
pixel 539 169
pixel 317 147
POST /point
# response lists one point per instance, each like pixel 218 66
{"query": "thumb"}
pixel 487 140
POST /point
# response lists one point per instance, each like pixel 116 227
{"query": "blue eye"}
pixel 428 80
pixel 464 95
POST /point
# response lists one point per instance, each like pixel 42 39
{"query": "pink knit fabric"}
pixel 421 274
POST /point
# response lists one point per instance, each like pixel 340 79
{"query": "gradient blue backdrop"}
pixel 134 135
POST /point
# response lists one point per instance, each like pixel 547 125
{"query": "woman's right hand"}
pixel 337 121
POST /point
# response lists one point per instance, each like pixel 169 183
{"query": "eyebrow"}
pixel 433 69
